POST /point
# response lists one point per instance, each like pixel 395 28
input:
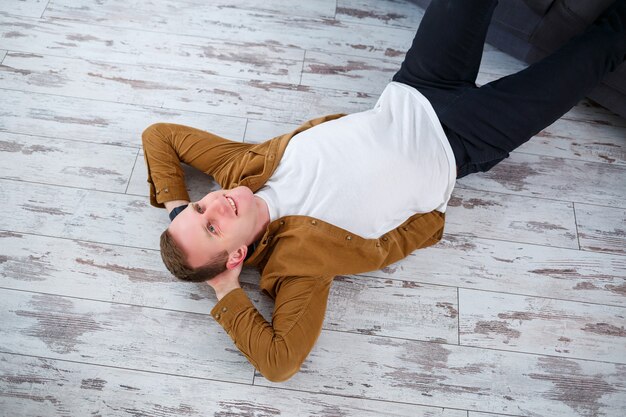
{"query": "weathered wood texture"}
pixel 47 387
pixel 515 383
pixel 30 8
pixel 518 311
pixel 516 268
pixel 565 328
pixel 64 162
pixel 601 228
pixel 99 121
pixel 554 178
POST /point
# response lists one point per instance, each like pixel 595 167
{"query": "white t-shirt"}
pixel 367 172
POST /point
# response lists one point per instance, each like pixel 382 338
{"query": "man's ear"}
pixel 237 257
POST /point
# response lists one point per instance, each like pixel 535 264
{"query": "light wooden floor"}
pixel 519 311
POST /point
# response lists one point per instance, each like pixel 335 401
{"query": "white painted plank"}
pixel 137 47
pixel 511 217
pixel 240 25
pixel 31 8
pixel 583 141
pixel 479 414
pixel 80 214
pixel 542 326
pixel 507 267
pixel 318 9
pixel 497 63
pixel 99 121
pixel 346 72
pixel 64 162
pixel 138 277
pixel 393 308
pixel 2 55
pixel 601 229
pixel 555 178
pixel 590 111
pixel 47 387
pixel 459 377
pixel 119 335
pixel 381 13
pixel 176 89
pixel 258 131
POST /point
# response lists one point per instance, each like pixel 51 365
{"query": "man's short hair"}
pixel 175 261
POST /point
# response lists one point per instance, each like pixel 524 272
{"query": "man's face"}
pixel 212 225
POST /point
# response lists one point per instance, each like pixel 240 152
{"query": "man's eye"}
pixel 211 229
pixel 199 209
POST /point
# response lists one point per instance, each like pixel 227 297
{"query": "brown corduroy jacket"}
pixel 298 256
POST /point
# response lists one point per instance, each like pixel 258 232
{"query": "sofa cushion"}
pixel 539 6
pixel 565 19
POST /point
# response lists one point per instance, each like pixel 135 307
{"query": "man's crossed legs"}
pixel 485 124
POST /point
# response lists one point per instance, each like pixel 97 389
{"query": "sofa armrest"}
pixel 565 19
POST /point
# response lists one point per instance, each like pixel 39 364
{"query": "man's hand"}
pixel 226 281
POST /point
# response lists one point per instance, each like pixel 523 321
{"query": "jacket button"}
pixel 224 309
pixel 313 222
pixel 385 238
pixel 217 316
pixel 348 237
pixel 282 222
pixel 271 157
pixel 377 245
pixel 405 228
pixel 165 190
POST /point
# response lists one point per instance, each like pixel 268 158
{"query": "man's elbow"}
pixel 152 133
pixel 281 372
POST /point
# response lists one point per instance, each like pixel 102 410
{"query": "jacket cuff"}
pixel 166 192
pixel 229 307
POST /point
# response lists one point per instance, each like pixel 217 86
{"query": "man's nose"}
pixel 218 208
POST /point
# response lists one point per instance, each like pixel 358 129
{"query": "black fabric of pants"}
pixel 484 124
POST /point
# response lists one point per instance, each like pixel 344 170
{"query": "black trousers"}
pixel 484 124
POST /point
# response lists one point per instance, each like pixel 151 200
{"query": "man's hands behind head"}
pixel 225 282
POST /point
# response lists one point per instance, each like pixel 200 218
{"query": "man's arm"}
pixel 167 145
pixel 276 349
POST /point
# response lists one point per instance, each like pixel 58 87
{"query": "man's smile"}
pixel 232 203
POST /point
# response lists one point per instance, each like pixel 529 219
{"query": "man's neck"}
pixel 263 220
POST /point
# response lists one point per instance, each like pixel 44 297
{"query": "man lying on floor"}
pixel 347 194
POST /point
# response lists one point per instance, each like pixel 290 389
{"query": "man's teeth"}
pixel 232 204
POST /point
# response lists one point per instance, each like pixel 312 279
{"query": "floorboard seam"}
pixel 130 177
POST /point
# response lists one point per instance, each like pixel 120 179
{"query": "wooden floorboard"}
pixel 519 311
pixel 48 387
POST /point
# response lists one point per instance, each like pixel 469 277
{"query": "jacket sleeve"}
pixel 277 349
pixel 166 145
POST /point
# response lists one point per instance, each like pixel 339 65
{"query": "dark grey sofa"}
pixel 531 29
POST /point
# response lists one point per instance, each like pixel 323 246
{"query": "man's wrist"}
pixel 222 290
pixel 171 205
